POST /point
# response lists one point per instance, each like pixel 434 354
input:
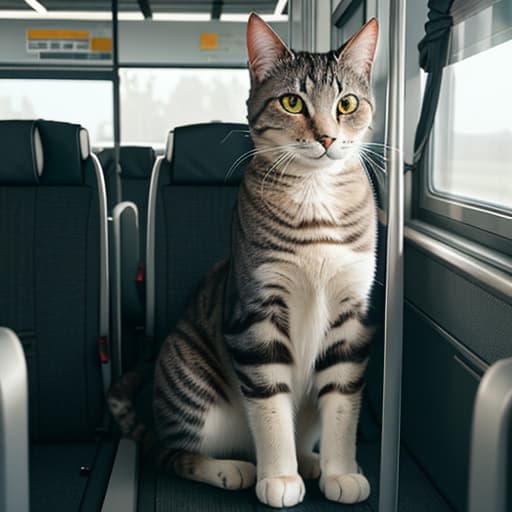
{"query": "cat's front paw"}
pixel 281 491
pixel 348 488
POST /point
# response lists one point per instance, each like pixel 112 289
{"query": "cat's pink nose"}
pixel 326 141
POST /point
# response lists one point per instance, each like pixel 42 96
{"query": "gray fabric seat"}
pixel 110 169
pixel 136 164
pixel 129 181
pixel 189 215
pixel 54 295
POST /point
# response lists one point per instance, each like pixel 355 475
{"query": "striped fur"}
pixel 270 356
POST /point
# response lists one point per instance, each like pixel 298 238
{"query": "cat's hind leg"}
pixel 223 473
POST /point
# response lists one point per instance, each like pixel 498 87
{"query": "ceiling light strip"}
pixel 36 6
pixel 281 4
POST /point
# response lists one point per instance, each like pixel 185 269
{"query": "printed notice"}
pixel 59 44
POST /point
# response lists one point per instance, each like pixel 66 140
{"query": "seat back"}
pixel 110 168
pixel 189 215
pixel 136 164
pixel 54 272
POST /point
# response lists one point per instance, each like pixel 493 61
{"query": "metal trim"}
pixel 117 282
pixel 482 216
pixel 497 282
pixel 55 74
pixel 487 256
pixel 104 311
pixel 14 474
pixel 393 315
pixel 122 487
pixel 150 248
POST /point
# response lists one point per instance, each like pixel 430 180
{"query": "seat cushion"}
pixel 57 482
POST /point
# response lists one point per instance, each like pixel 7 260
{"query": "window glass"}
pixel 84 102
pixel 154 101
pixel 472 157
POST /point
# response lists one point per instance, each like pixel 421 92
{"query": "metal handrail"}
pixel 393 328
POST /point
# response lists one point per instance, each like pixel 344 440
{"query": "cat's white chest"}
pixel 321 277
pixel 314 198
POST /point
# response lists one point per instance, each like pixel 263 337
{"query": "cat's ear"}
pixel 264 47
pixel 359 51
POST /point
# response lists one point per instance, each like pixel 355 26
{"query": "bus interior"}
pixel 123 140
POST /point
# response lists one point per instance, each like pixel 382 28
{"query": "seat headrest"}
pixel 107 158
pixel 21 153
pixel 136 162
pixel 66 146
pixel 204 153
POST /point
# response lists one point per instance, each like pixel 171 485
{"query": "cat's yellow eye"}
pixel 292 103
pixel 348 104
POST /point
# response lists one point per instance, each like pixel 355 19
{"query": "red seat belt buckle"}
pixel 140 273
pixel 103 350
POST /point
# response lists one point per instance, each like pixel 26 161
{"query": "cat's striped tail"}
pixel 121 402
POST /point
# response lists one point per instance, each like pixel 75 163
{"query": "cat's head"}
pixel 319 105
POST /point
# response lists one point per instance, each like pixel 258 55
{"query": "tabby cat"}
pixel 270 357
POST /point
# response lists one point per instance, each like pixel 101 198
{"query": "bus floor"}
pixel 163 493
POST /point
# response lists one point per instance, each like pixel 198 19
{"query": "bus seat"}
pixel 111 177
pixel 136 164
pixel 54 296
pixel 189 215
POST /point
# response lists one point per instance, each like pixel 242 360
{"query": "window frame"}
pixel 341 14
pixel 484 224
pixel 478 221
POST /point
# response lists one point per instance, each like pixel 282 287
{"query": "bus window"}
pixel 155 100
pixel 473 149
pixel 85 102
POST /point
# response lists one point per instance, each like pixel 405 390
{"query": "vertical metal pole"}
pixel 115 81
pixel 392 385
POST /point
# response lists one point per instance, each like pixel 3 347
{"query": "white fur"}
pixel 226 432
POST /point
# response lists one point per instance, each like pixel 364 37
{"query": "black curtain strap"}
pixel 437 33
pixel 409 167
pixel 433 49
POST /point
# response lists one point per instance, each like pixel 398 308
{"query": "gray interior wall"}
pixel 178 43
pixel 142 42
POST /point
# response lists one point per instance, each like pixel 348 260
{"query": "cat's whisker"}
pixel 253 152
pixel 285 167
pixel 231 133
pixel 245 156
pixel 371 149
pixel 373 154
pixel 374 157
pixel 280 160
pixel 366 161
pixel 380 145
